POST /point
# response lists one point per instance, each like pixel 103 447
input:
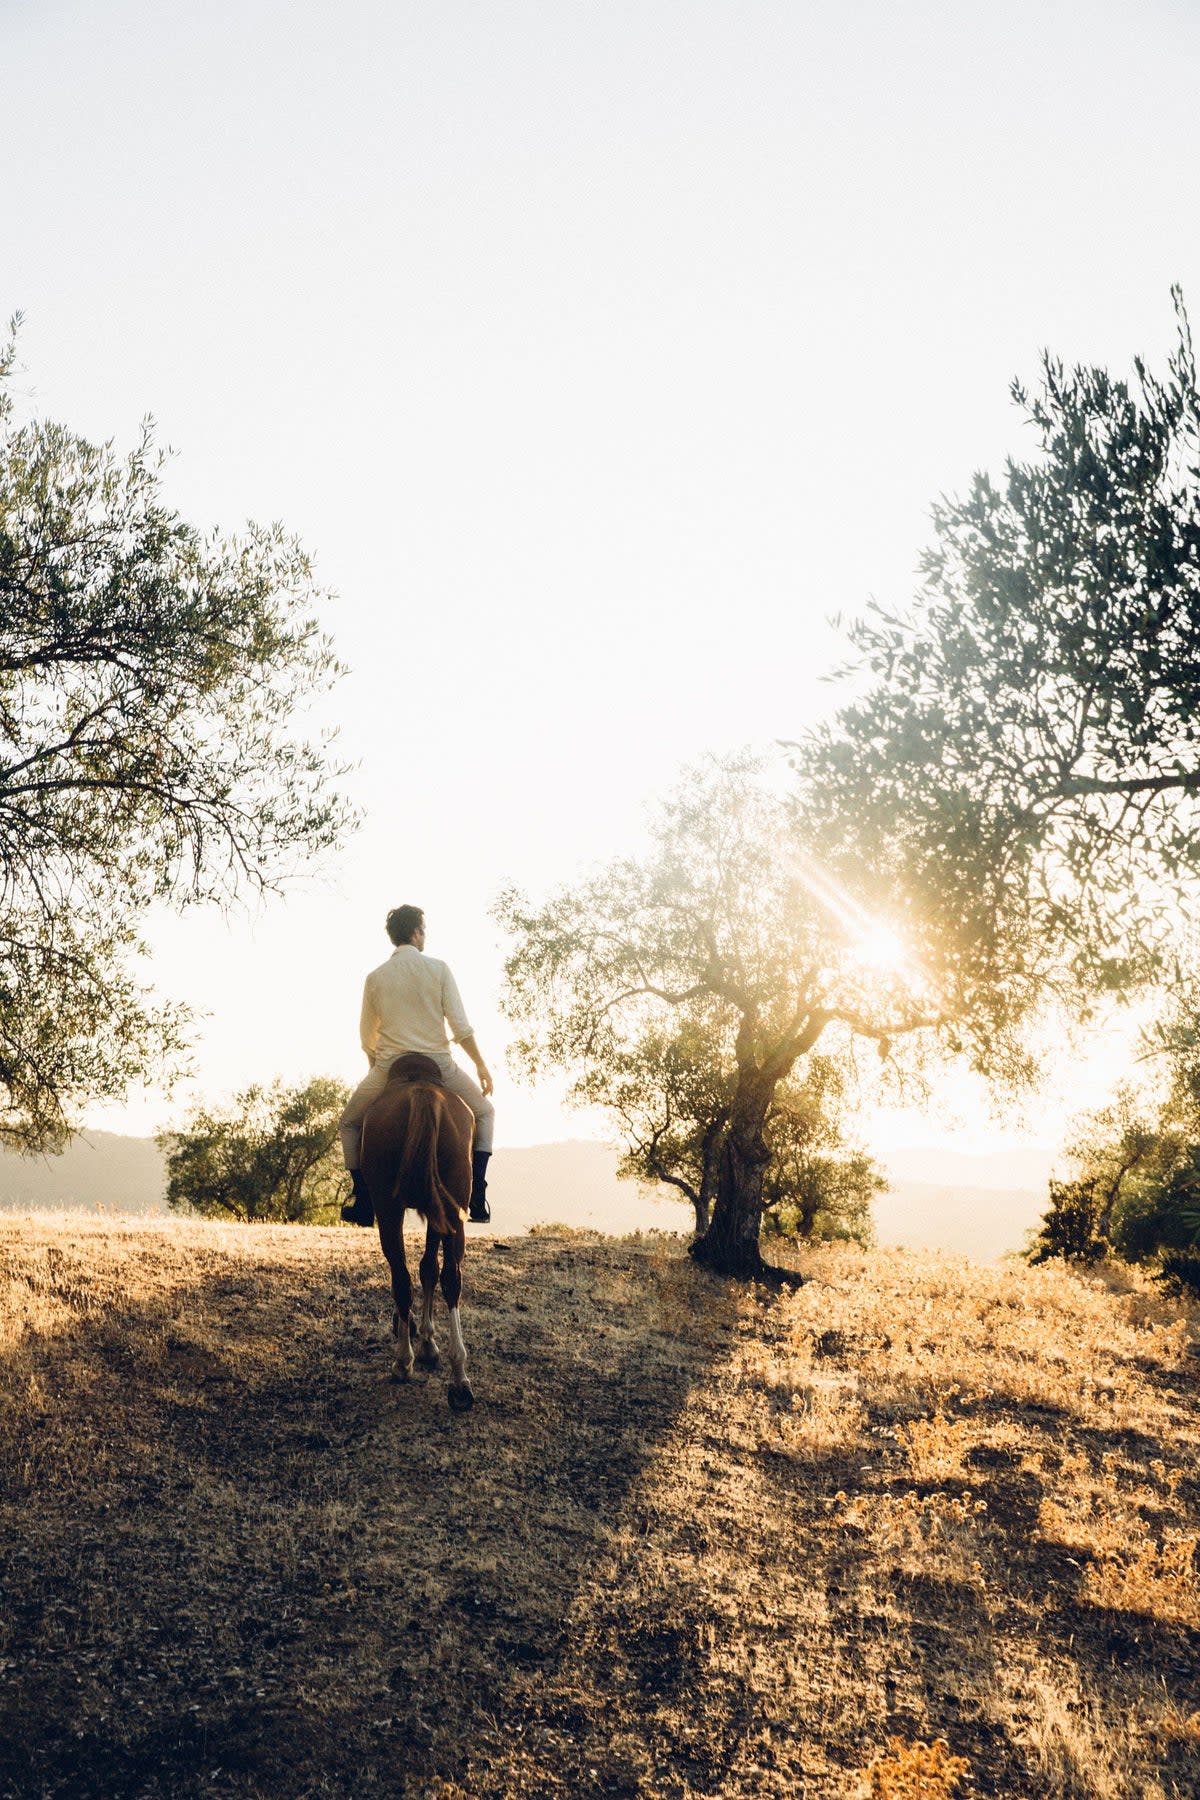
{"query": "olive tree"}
pixel 668 1088
pixel 725 933
pixel 1022 758
pixel 1131 1168
pixel 670 1092
pixel 151 678
pixel 818 1183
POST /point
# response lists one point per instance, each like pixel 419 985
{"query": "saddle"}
pixel 413 1066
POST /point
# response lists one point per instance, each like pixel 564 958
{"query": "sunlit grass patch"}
pixel 935 1447
pixel 917 1771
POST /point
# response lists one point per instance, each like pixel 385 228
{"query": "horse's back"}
pixel 385 1131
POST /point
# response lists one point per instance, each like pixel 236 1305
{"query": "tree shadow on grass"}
pixel 241 1563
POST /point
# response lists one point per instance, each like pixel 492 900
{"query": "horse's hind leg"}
pixel 459 1392
pixel 391 1237
pixel 427 1349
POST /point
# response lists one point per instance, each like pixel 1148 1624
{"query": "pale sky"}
pixel 600 353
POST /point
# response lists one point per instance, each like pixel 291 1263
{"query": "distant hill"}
pixel 97 1169
pixel 573 1182
pixel 981 1206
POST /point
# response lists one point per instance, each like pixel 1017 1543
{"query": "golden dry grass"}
pixel 917 1528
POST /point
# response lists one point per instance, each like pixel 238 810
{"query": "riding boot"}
pixel 480 1212
pixel 360 1210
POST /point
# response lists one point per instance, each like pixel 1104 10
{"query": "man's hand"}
pixel 481 1069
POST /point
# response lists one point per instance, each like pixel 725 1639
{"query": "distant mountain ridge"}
pixel 977 1205
pixel 982 1206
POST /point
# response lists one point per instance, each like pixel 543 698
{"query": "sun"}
pixel 879 948
pixel 873 944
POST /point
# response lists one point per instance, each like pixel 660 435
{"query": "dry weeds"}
pixel 917 1528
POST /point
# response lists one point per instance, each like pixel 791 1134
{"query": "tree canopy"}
pixel 271 1154
pixel 1022 759
pixel 718 958
pixel 151 677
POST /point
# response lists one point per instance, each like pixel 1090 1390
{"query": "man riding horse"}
pixel 407 1003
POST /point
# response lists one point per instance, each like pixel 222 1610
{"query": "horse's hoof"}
pixel 427 1356
pixel 401 1372
pixel 460 1396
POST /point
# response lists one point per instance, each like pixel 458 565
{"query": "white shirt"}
pixel 407 1003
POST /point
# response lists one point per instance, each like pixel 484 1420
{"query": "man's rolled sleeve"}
pixel 368 1025
pixel 453 1010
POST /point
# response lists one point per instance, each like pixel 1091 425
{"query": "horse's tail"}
pixel 418 1173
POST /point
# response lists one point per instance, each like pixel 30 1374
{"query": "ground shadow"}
pixel 264 1569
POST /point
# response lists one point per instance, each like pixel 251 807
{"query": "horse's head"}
pixel 412 1066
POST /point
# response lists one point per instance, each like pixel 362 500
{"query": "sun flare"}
pixel 880 949
pixel 872 942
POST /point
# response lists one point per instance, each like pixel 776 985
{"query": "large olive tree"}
pixel 150 681
pixel 724 934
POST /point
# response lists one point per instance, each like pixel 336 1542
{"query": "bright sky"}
pixel 600 352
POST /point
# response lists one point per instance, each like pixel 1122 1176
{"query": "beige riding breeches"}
pixel 373 1084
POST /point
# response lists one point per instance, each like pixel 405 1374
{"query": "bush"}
pixel 1069 1225
pixel 272 1154
pixel 1179 1272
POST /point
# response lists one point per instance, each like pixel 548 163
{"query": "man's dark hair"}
pixel 402 921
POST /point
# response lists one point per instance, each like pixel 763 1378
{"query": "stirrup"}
pixel 479 1212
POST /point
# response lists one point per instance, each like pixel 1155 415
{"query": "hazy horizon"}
pixel 978 1205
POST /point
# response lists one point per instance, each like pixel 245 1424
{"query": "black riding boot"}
pixel 360 1210
pixel 480 1212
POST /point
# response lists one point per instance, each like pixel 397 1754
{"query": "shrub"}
pixel 270 1155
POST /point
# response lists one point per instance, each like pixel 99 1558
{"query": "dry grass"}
pixel 915 1529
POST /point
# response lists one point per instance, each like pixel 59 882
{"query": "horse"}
pixel 416 1151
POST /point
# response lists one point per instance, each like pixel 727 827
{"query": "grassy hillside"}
pixel 691 1541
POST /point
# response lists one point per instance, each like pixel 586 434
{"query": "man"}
pixel 407 1003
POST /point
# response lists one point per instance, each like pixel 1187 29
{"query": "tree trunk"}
pixel 710 1169
pixel 730 1244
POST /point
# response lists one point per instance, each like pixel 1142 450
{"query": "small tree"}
pixel 150 677
pixel 671 1097
pixel 724 940
pixel 1134 1184
pixel 271 1155
pixel 669 1090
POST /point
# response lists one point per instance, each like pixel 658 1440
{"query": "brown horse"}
pixel 416 1151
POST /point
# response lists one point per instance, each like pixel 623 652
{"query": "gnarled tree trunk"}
pixel 730 1245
